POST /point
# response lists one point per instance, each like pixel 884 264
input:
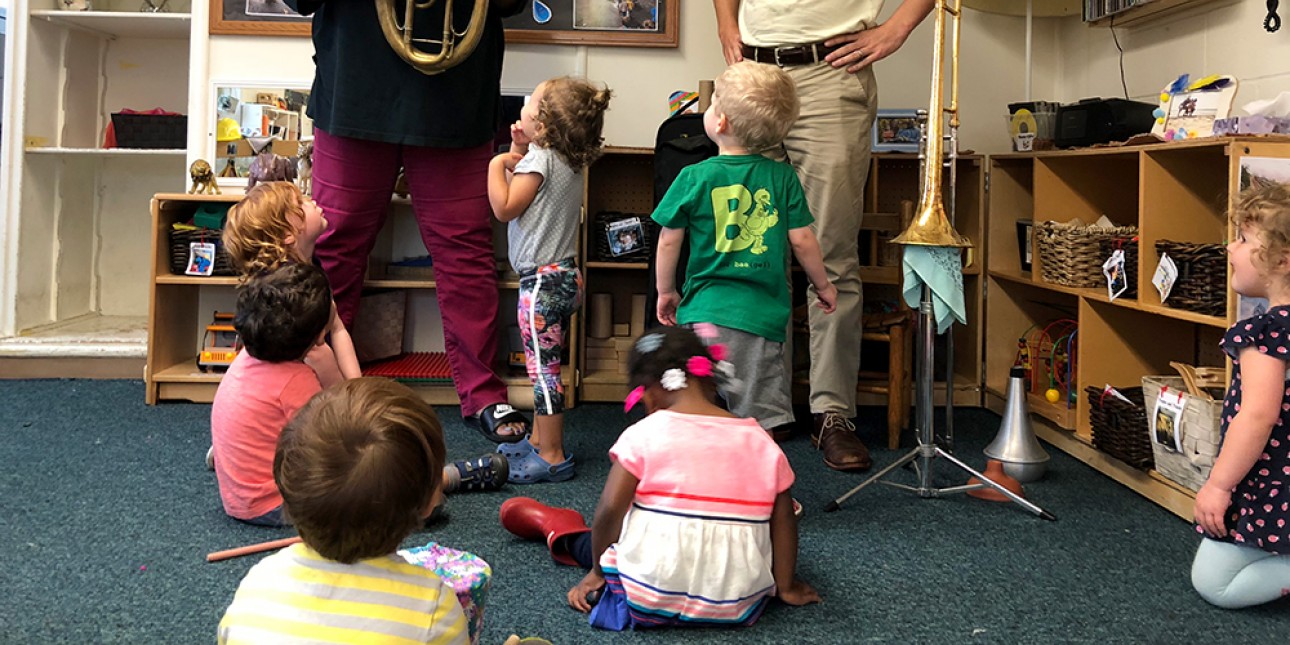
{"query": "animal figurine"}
pixel 203 179
pixel 75 5
pixel 305 166
pixel 268 166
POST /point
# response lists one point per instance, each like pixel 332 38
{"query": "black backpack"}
pixel 680 142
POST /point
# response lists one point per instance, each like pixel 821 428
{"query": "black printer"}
pixel 1093 121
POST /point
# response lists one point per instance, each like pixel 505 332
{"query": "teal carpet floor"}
pixel 107 513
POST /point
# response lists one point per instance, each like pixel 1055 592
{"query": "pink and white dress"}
pixel 695 547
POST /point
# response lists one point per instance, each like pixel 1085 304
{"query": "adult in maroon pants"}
pixel 374 114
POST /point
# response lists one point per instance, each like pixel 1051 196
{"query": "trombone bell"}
pixel 931 227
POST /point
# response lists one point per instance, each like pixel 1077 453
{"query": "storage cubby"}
pixel 1177 191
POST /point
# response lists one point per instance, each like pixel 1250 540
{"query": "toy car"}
pixel 220 345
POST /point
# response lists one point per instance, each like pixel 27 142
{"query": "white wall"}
pixel 1228 39
pixel 642 79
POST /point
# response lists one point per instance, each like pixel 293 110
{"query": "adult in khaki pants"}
pixel 827 47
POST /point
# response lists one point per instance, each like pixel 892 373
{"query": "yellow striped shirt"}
pixel 297 596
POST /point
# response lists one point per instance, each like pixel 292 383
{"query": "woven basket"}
pixel 1107 247
pixel 1201 434
pixel 1202 276
pixel 600 237
pixel 180 241
pixel 1070 253
pixel 378 326
pixel 1120 429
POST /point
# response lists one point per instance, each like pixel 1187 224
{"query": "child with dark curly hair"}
pixel 537 188
pixel 282 313
pixel 681 537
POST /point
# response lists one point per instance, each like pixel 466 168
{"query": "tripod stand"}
pixel 927 452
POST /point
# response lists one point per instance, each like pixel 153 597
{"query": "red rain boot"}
pixel 533 520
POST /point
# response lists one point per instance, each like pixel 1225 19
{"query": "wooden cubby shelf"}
pixel 1174 191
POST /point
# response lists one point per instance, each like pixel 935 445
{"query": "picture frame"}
pixel 896 131
pixel 256 18
pixel 635 23
pixel 1191 112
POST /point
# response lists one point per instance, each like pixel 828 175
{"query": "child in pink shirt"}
pixel 281 315
pixel 681 536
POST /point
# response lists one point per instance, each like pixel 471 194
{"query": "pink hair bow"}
pixel 633 398
pixel 699 366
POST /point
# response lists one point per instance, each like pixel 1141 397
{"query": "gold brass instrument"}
pixel 453 48
pixel 931 226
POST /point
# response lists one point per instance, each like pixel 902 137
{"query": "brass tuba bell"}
pixel 453 48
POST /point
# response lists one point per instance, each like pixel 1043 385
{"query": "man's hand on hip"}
pixel 861 49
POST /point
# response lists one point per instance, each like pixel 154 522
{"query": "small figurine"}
pixel 305 166
pixel 203 179
pixel 267 165
pixel 75 5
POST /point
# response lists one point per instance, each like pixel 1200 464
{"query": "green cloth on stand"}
pixel 941 268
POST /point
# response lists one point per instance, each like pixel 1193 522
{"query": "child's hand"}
pixel 578 594
pixel 799 593
pixel 667 303
pixel 828 298
pixel 1211 507
pixel 517 135
pixel 507 160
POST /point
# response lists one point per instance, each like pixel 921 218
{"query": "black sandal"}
pixel 495 416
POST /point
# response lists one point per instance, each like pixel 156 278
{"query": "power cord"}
pixel 1116 37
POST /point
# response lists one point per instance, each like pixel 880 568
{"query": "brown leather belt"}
pixel 792 55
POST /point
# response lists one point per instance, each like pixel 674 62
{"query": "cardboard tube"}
pixel 601 323
pixel 251 549
pixel 705 95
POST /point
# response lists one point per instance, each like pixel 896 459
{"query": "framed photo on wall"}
pixel 896 131
pixel 256 18
pixel 623 23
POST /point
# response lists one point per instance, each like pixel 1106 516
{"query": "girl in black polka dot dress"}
pixel 1244 508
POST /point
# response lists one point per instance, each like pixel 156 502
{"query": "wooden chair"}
pixel 896 329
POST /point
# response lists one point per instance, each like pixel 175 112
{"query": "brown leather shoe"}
pixel 836 436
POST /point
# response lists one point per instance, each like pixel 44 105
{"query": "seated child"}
pixel 276 224
pixel 358 467
pixel 281 314
pixel 670 508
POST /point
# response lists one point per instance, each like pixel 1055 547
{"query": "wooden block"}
pixel 622 329
pixel 600 319
pixel 602 365
pixel 602 342
pixel 638 315
pixel 610 353
pixel 623 344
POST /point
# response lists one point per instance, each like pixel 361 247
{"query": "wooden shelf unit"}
pixel 176 318
pixel 1178 191
pixel 622 180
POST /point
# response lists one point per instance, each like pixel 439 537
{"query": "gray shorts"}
pixel 764 391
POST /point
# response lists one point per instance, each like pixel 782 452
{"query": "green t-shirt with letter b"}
pixel 736 211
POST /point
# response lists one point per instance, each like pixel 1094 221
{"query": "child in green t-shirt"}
pixel 743 213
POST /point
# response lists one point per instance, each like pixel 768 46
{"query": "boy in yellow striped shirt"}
pixel 357 468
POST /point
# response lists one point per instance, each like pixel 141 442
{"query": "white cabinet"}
pixel 74 223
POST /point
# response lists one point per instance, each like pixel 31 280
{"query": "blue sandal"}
pixel 533 469
pixel 517 450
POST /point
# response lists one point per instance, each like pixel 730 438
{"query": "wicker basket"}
pixel 1120 429
pixel 1107 247
pixel 180 250
pixel 1201 433
pixel 1070 253
pixel 378 326
pixel 1202 276
pixel 604 252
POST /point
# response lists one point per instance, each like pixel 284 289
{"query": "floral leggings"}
pixel 548 297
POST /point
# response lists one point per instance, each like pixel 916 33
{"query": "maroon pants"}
pixel 352 182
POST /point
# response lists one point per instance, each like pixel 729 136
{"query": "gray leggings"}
pixel 1233 576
